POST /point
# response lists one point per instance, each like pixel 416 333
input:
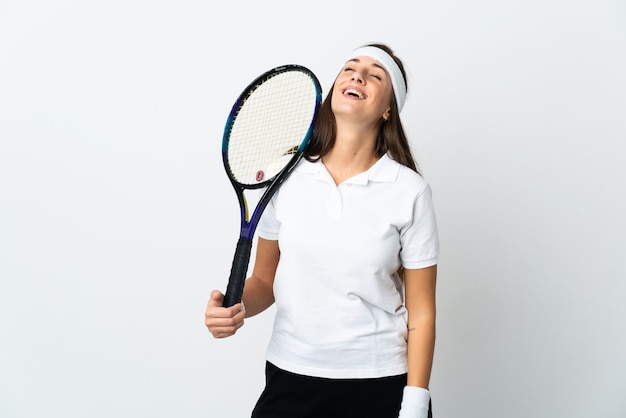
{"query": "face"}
pixel 362 89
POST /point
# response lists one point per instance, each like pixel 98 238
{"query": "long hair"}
pixel 391 137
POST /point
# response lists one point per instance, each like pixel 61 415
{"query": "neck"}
pixel 354 151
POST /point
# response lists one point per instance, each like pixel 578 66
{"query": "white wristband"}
pixel 414 402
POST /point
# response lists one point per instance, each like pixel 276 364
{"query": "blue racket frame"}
pixel 239 269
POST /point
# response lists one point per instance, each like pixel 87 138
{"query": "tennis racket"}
pixel 265 136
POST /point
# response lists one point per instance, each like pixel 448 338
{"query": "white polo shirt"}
pixel 339 300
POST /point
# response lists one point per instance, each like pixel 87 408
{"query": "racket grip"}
pixel 238 271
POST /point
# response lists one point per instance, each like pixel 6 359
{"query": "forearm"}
pixel 420 350
pixel 258 292
pixel 257 296
pixel 421 346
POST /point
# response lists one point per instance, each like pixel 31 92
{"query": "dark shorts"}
pixel 290 395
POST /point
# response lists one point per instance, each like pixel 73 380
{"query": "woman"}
pixel 348 251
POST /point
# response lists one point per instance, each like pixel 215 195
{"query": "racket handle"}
pixel 238 271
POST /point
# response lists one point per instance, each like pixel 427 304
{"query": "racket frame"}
pixel 248 224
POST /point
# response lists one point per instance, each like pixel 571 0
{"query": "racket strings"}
pixel 270 126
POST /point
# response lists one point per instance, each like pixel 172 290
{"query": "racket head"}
pixel 269 126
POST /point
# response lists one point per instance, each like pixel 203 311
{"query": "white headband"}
pixel 397 81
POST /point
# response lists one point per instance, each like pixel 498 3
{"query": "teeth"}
pixel 354 93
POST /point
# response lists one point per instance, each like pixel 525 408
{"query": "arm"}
pixel 420 303
pixel 258 294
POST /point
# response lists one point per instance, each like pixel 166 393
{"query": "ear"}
pixel 386 114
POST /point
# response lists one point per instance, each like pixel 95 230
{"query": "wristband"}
pixel 415 402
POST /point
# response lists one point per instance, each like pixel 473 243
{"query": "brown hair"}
pixel 391 136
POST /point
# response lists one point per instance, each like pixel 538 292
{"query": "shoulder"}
pixel 306 166
pixel 300 176
pixel 405 177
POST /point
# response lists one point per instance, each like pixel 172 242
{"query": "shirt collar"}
pixel 385 170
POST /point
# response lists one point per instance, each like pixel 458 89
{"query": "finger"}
pixel 219 312
pixel 225 330
pixel 223 317
pixel 216 298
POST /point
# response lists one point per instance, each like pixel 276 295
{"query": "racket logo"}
pixel 292 150
pixel 260 175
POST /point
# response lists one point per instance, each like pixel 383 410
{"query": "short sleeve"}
pixel 420 238
pixel 269 226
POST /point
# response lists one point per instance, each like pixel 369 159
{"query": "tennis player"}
pixel 347 251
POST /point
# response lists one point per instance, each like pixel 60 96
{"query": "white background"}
pixel 116 217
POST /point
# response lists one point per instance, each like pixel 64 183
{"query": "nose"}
pixel 356 76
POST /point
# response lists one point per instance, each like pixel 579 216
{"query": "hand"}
pixel 223 322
